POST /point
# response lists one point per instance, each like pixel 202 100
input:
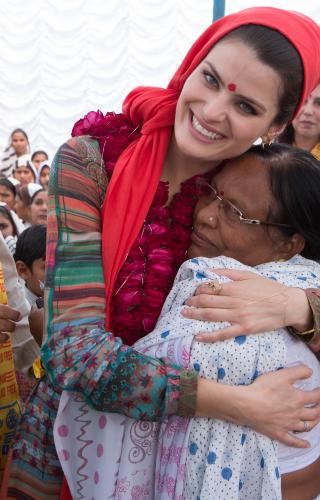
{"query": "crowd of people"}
pixel 24 181
pixel 174 285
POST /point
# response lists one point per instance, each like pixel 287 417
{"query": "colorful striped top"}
pixel 78 353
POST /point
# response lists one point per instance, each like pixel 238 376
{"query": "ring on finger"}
pixel 305 427
pixel 216 287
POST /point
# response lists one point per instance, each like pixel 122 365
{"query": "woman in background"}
pixel 304 132
pixel 39 207
pixel 18 146
pixel 7 192
pixel 10 226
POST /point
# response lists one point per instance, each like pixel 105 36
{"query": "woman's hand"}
pixel 251 304
pixel 271 405
pixel 276 408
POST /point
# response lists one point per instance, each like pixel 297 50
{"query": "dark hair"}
pixel 40 152
pixel 5 211
pixel 295 185
pixel 275 50
pixel 287 136
pixel 5 182
pixel 31 245
pixel 20 131
pixel 23 193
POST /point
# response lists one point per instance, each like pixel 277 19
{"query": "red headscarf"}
pixel 138 169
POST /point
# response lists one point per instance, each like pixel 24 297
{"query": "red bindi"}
pixel 232 87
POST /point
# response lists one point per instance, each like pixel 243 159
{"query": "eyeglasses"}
pixel 230 211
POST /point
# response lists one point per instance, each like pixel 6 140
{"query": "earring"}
pixel 210 219
pixel 266 140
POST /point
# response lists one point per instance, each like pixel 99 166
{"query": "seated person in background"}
pixel 7 192
pixel 44 174
pixel 261 214
pixel 38 157
pixel 24 196
pixel 30 257
pixel 304 132
pixel 24 171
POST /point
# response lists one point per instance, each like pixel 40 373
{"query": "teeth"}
pixel 204 131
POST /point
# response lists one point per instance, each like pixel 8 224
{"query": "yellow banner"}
pixel 9 396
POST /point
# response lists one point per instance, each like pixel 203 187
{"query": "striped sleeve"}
pixel 78 354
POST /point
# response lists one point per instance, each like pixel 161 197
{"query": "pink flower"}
pixel 86 125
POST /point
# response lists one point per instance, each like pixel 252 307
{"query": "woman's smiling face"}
pixel 230 100
pixel 245 183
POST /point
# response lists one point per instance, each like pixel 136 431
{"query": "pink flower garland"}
pixel 147 275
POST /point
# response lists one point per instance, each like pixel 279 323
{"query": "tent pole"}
pixel 218 9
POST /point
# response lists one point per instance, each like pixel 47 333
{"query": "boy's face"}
pixel 33 276
pixel 36 276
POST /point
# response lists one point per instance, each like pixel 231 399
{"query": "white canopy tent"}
pixel 62 58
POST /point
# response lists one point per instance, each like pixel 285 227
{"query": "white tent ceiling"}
pixel 62 58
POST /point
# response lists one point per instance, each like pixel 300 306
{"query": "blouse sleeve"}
pixel 78 354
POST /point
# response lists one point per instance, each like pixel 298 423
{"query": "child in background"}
pixel 24 196
pixel 39 157
pixel 30 258
pixel 25 172
pixel 44 174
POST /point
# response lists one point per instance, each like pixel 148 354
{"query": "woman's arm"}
pixel 78 354
pixel 271 405
pixel 251 304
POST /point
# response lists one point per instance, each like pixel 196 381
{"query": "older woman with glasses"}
pixel 260 213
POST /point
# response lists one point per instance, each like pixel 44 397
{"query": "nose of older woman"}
pixel 208 215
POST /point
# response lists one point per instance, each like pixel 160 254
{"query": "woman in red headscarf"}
pixel 130 189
